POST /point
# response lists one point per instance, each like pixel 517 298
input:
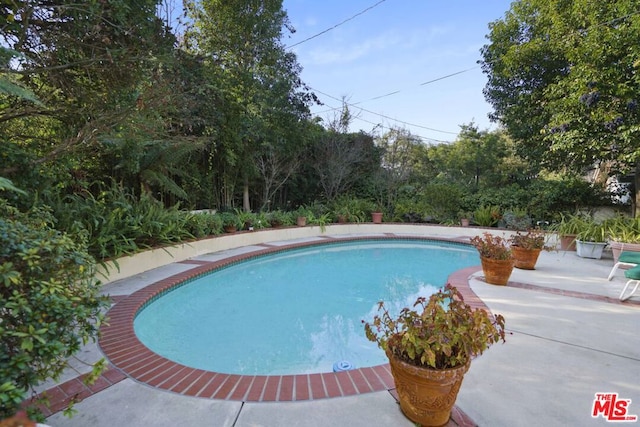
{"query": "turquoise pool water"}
pixel 297 311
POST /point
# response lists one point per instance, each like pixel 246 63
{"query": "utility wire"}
pixel 384 116
pixel 381 126
pixel 421 84
pixel 336 26
pixel 449 75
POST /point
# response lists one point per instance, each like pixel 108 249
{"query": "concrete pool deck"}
pixel 563 318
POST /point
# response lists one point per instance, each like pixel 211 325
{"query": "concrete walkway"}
pixel 561 351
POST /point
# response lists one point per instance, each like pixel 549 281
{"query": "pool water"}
pixel 296 311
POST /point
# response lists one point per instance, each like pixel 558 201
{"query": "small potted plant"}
pixel 465 218
pixel 230 222
pixel 430 350
pixel 496 257
pixel 376 214
pixel 526 248
pixel 280 218
pixel 568 228
pixel 301 214
pixel 590 242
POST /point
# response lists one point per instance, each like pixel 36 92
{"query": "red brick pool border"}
pixel 123 349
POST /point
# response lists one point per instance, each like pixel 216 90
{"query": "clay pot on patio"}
pixel 568 242
pixel 618 247
pixel 230 228
pixel 376 217
pixel 426 395
pixel 301 221
pixel 496 271
pixel 525 259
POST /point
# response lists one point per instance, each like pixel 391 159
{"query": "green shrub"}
pixel 49 302
pixel 565 194
pixel 119 223
pixel 203 224
pixel 280 218
pixel 487 216
pixel 442 201
pixel 353 209
pixel 516 219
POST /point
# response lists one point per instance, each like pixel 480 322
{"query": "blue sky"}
pixel 397 46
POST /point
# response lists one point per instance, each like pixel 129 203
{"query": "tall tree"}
pixel 476 159
pixel 400 152
pixel 242 39
pixel 563 79
pixel 83 61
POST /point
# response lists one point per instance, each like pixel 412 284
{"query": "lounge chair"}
pixel 626 259
pixel 633 275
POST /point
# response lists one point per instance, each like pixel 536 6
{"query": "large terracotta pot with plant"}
pixel 526 248
pixel 496 258
pixel 430 350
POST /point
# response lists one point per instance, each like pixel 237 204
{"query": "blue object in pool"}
pixel 343 365
pixel 298 311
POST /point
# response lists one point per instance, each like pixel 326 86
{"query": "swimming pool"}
pixel 296 311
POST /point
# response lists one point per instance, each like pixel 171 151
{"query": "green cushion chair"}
pixel 633 275
pixel 626 259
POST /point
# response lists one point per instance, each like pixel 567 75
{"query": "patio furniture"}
pixel 633 275
pixel 626 259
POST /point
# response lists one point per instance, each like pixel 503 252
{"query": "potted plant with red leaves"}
pixel 496 257
pixel 430 347
pixel 526 247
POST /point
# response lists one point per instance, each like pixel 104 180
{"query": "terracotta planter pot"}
pixel 525 259
pixel 497 271
pixel 301 221
pixel 376 217
pixel 426 395
pixel 230 228
pixel 568 242
pixel 464 222
pixel 617 247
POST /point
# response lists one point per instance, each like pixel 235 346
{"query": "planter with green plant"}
pixel 624 235
pixel 568 228
pixel 280 218
pixel 302 214
pixel 465 218
pixel 230 222
pixel 430 350
pixel 526 247
pixel 496 258
pixel 591 241
pixel 246 220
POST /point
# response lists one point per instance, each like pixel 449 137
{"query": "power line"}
pixel 337 25
pixel 449 75
pixel 384 116
pixel 381 126
pixel 421 84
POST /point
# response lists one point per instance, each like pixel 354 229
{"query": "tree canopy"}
pixel 563 79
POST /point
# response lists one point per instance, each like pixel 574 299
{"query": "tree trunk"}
pixel 245 195
pixel 636 199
